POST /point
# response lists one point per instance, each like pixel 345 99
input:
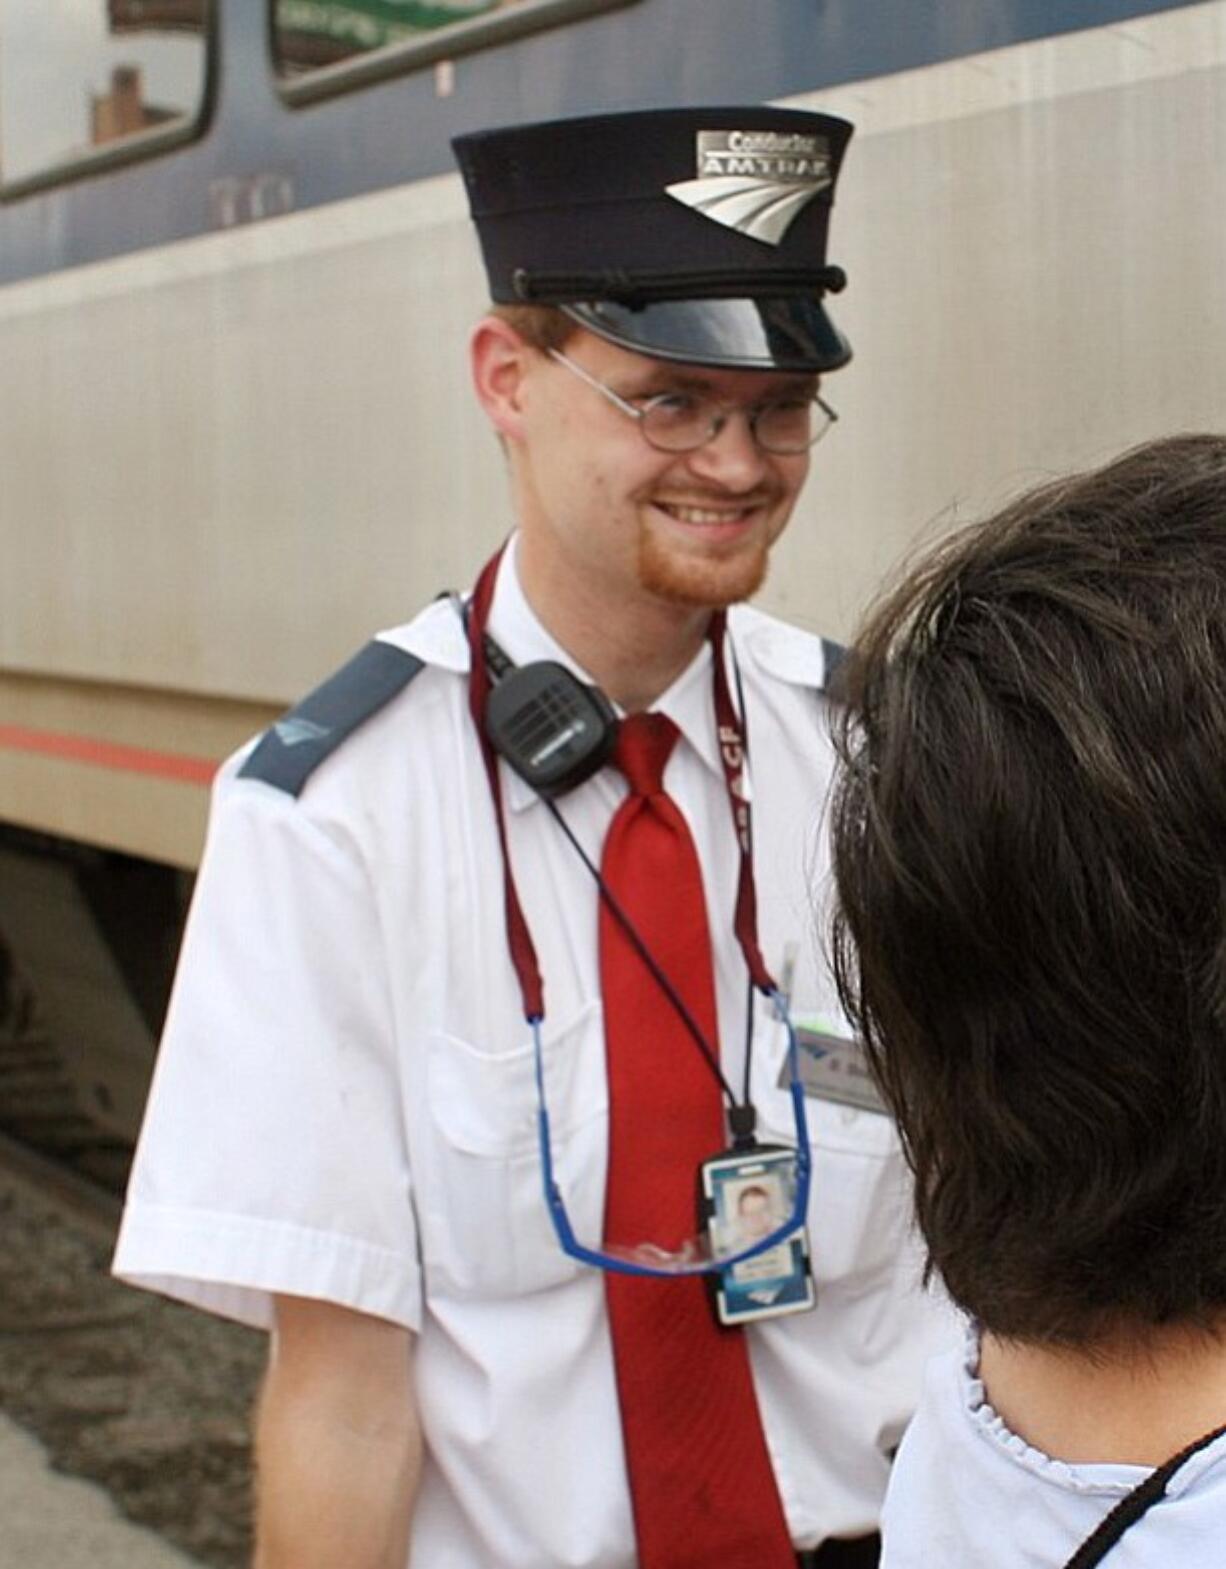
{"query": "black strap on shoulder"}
pixel 1133 1505
pixel 290 750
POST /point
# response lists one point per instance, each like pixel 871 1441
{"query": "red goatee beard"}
pixel 706 582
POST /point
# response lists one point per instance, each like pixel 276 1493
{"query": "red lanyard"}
pixel 732 749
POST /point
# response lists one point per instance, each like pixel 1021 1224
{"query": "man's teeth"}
pixel 705 514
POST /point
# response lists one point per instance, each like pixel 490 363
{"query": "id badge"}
pixel 747 1194
pixel 832 1064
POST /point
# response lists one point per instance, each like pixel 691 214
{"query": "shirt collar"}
pixel 438 637
pixel 516 626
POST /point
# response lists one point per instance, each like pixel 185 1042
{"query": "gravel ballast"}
pixel 147 1398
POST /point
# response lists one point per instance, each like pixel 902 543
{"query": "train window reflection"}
pixel 325 46
pixel 314 33
pixel 81 80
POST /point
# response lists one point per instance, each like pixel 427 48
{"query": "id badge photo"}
pixel 747 1195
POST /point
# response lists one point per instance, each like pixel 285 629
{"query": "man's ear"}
pixel 500 360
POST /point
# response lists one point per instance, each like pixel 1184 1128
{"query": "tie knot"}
pixel 644 742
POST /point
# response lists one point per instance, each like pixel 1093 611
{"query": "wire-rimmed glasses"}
pixel 684 421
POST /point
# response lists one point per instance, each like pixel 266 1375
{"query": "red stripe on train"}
pixel 109 754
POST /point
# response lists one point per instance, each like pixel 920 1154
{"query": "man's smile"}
pixel 710 514
pixel 704 514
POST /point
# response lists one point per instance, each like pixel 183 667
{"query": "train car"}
pixel 235 278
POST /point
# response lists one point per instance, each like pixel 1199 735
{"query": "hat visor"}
pixel 788 333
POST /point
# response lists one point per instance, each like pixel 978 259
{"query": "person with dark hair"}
pixel 1030 856
pixel 482 993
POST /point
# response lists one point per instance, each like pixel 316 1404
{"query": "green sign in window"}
pixel 314 33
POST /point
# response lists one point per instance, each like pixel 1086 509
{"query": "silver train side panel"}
pixel 223 463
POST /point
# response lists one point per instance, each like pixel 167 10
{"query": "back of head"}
pixel 1030 847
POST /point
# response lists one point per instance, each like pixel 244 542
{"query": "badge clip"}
pixel 744 1195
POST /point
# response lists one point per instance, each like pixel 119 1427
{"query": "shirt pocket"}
pixel 487 1230
pixel 859 1194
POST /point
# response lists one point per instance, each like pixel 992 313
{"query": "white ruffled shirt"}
pixel 968 1493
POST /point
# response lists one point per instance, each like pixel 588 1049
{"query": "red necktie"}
pixel 700 1475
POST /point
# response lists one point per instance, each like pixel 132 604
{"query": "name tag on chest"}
pixel 832 1067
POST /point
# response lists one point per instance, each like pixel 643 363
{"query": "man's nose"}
pixel 732 457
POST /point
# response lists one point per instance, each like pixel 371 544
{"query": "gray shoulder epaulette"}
pixel 833 655
pixel 290 751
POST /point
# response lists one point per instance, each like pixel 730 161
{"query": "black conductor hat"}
pixel 696 235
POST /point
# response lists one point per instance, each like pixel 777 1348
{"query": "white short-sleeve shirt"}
pixel 344 1104
pixel 967 1493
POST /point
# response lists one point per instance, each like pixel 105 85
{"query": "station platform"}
pixel 52 1521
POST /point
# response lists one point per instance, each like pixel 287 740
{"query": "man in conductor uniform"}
pixel 482 994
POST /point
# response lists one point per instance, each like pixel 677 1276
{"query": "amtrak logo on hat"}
pixel 756 181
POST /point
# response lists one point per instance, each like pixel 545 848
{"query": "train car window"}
pixel 86 84
pixel 322 47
